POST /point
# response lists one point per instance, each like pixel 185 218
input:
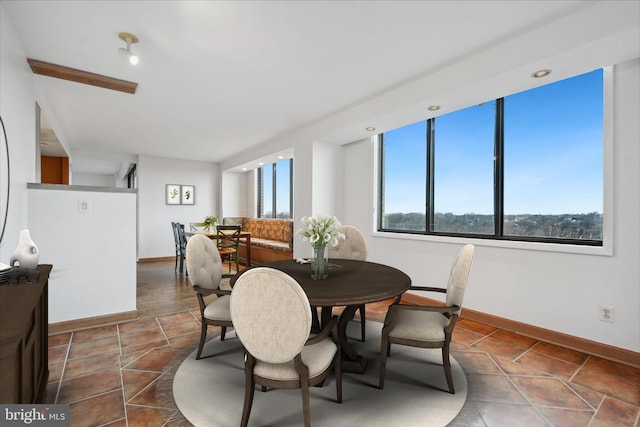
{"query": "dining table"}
pixel 244 235
pixel 350 283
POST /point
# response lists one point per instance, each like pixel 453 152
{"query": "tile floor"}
pixel 122 375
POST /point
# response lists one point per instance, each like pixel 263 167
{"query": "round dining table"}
pixel 351 283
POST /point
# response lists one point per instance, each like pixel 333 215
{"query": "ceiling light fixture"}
pixel 127 53
pixel 433 108
pixel 541 73
pixel 370 129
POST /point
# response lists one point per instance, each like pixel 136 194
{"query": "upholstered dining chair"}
pixel 272 318
pixel 429 326
pixel 228 241
pixel 354 246
pixel 205 273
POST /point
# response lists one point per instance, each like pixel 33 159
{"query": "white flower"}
pixel 321 230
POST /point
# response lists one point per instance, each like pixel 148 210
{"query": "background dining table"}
pixel 244 235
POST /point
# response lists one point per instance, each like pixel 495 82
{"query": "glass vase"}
pixel 319 263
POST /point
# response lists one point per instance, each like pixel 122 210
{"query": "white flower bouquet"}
pixel 321 230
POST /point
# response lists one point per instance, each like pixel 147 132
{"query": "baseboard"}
pixel 605 351
pixel 92 322
pixel 158 259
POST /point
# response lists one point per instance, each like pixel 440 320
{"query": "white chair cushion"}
pixel 218 309
pixel 203 262
pixel 271 314
pixel 419 325
pixel 317 357
pixel 459 275
pixel 354 245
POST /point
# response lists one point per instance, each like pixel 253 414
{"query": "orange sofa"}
pixel 271 239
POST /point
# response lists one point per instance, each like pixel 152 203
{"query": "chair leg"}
pixel 223 331
pixel 304 382
pixel 363 319
pixel 446 363
pixel 338 371
pixel 248 397
pixel 203 335
pixel 384 352
pixel 315 321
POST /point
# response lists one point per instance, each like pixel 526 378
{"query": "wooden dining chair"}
pixel 205 267
pixel 180 240
pixel 428 326
pixel 176 241
pixel 272 318
pixel 228 242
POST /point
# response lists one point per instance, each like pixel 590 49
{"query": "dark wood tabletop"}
pixel 350 282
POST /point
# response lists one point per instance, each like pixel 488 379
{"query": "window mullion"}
pixel 430 185
pixel 498 193
pixel 290 188
pixel 381 222
pixel 273 191
pixel 260 193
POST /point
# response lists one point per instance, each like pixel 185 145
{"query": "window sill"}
pixel 604 250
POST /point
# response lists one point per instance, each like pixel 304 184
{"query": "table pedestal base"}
pixel 358 366
pixel 351 360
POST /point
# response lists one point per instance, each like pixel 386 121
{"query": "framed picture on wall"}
pixel 188 194
pixel 172 194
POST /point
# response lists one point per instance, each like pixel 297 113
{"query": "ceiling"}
pixel 217 79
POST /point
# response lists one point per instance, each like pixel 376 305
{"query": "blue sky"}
pixel 553 154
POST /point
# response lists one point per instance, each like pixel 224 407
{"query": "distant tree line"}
pixel 586 226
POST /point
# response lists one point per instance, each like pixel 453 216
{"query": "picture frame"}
pixel 188 194
pixel 173 194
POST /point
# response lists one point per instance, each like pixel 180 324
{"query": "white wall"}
pixel 234 191
pixel 155 238
pixel 93 252
pixel 327 180
pixel 95 180
pixel 78 285
pixel 18 111
pixel 553 290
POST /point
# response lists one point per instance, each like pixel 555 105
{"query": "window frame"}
pixel 260 196
pixel 582 246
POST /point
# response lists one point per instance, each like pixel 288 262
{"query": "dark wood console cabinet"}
pixel 24 330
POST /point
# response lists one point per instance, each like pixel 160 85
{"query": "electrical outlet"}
pixel 84 205
pixel 606 313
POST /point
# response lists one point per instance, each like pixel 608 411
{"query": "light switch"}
pixel 84 205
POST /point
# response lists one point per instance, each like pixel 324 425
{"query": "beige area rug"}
pixel 210 392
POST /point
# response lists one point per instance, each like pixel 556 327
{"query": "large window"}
pixel 275 190
pixel 525 167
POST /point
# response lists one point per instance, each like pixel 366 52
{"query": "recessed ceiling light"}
pixel 260 163
pixel 281 157
pixel 433 108
pixel 541 73
pixel 245 169
pixel 370 129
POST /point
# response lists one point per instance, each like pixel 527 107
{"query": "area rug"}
pixel 210 392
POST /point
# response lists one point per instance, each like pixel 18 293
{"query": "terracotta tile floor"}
pixel 122 375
